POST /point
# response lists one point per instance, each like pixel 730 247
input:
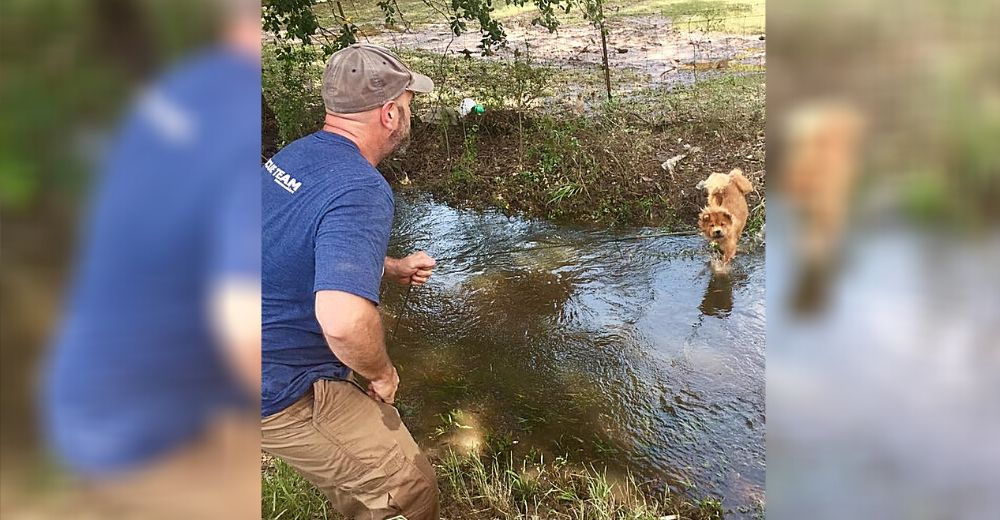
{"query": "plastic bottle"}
pixel 469 106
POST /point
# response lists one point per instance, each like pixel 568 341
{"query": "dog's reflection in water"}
pixel 718 300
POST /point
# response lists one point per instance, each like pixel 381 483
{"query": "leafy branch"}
pixel 295 22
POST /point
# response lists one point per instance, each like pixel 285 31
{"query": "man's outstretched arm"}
pixel 353 330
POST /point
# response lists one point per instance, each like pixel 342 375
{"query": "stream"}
pixel 625 354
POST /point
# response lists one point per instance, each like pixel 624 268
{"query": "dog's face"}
pixel 715 223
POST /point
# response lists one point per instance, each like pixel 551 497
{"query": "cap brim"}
pixel 420 84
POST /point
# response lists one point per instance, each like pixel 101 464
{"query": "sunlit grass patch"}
pixel 504 488
pixel 732 16
pixel 286 495
pixel 494 483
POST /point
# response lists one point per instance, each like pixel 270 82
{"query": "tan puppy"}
pixel 824 145
pixel 723 219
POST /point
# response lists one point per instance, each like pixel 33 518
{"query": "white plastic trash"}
pixel 467 106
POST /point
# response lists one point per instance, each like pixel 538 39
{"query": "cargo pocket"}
pixel 363 452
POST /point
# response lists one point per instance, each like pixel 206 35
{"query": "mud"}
pixel 661 51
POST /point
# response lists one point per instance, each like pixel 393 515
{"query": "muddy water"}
pixel 627 354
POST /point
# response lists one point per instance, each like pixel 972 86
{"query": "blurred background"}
pixel 73 75
pixel 546 371
pixel 883 285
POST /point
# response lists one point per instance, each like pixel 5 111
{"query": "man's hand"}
pixel 384 388
pixel 415 269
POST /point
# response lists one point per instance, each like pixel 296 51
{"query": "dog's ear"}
pixel 742 183
pixel 704 219
pixel 727 216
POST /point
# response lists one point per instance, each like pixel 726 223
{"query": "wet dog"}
pixel 823 155
pixel 723 219
pixel 823 149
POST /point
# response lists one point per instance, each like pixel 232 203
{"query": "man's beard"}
pixel 399 139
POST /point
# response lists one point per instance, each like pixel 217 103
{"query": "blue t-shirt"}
pixel 327 215
pixel 134 370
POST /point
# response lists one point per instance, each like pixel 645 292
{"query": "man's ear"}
pixel 388 114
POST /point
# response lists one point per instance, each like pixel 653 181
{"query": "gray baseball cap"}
pixel 362 77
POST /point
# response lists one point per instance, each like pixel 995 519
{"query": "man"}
pixel 151 390
pixel 327 215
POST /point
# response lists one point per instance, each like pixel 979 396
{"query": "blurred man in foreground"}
pixel 153 377
pixel 327 216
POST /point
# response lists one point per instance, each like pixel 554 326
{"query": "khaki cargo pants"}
pixel 356 451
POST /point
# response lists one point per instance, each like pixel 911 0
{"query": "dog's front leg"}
pixel 728 251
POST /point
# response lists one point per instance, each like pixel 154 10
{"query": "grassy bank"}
pixel 549 146
pixel 603 167
pixel 499 487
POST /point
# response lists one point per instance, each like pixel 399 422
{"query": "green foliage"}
pixel 291 88
pixel 592 10
pixel 711 508
pixel 547 10
pixel 755 221
pixel 732 105
pixel 927 198
pixel 391 11
pixel 516 84
pixel 524 85
pixel 562 162
pixel 464 169
pixel 295 19
pixel 65 82
pixel 565 191
pixel 480 11
pixel 295 22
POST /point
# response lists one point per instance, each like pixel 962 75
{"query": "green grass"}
pixel 502 488
pixel 493 483
pixel 711 508
pixel 732 16
pixel 286 495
